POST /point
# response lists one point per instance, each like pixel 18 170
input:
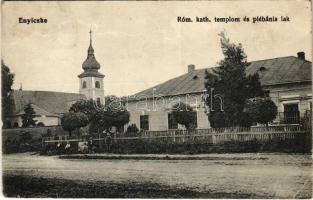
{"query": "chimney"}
pixel 301 55
pixel 191 68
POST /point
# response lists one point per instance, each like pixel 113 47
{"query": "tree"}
pixel 7 79
pixel 113 102
pixel 28 116
pixel 6 83
pixel 103 117
pixel 71 121
pixel 231 83
pixel 88 107
pixel 184 115
pixel 261 110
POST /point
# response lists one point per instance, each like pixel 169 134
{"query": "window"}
pixel 144 122
pixel 291 113
pixel 172 123
pixel 97 84
pixel 84 84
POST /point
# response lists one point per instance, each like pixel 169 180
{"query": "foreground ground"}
pixel 218 176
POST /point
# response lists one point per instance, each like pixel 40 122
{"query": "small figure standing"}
pixel 108 142
pixel 67 147
pixel 59 148
pixel 90 145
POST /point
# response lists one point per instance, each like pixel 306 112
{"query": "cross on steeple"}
pixel 90 32
pixel 90 49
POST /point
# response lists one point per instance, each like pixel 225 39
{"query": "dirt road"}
pixel 275 176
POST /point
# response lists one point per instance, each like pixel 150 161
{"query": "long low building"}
pixel 48 106
pixel 287 80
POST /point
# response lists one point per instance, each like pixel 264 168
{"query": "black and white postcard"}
pixel 157 99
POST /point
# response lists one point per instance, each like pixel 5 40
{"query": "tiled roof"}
pixel 272 72
pixel 38 112
pixel 91 73
pixel 51 102
pixel 282 70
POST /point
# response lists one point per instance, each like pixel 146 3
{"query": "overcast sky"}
pixel 140 44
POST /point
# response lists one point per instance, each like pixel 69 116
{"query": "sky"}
pixel 140 44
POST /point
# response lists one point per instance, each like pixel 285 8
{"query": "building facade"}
pixel 287 80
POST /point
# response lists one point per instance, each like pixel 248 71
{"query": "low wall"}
pixel 36 132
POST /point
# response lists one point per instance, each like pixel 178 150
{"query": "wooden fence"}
pixel 209 136
pixel 253 130
pixel 219 138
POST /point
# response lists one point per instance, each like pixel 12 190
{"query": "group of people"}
pixel 90 145
pixel 86 146
pixel 63 148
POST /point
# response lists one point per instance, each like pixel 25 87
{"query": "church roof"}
pixel 38 112
pixel 271 71
pixel 46 102
pixel 91 65
pixel 91 73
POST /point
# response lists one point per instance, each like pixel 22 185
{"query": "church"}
pixel 287 80
pixel 49 106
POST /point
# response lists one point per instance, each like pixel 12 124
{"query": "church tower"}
pixel 91 81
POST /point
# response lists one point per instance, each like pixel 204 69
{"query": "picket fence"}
pixel 209 136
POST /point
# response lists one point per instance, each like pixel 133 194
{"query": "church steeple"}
pixel 90 49
pixel 91 80
pixel 91 65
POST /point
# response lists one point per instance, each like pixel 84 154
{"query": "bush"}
pixel 261 110
pixel 184 115
pixel 132 130
pixel 245 120
pixel 217 120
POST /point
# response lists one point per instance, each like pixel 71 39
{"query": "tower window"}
pixel 97 84
pixel 84 84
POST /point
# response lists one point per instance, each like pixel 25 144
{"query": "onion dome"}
pixel 91 65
